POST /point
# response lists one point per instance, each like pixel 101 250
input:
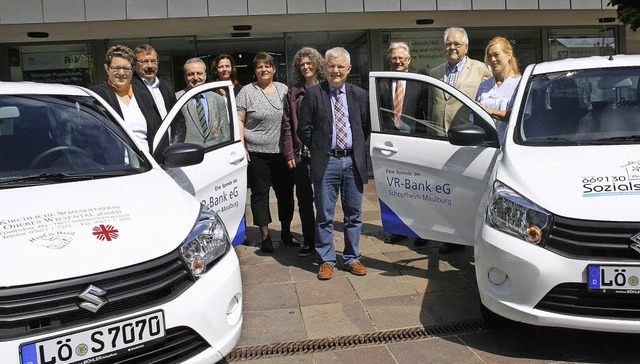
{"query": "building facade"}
pixel 65 40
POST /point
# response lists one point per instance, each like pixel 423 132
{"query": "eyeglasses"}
pixel 453 45
pixel 337 66
pixel 398 59
pixel 117 69
pixel 147 61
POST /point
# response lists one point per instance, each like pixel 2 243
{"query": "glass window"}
pixel 581 42
pixel 205 120
pixel 597 106
pixel 70 64
pixel 62 134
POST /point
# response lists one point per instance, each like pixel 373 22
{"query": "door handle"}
pixel 386 148
pixel 236 158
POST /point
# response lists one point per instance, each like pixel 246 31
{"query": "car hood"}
pixel 66 230
pixel 583 182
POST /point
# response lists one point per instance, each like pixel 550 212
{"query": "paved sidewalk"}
pixel 407 287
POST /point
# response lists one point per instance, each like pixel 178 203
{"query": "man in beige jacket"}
pixel 459 71
pixel 463 73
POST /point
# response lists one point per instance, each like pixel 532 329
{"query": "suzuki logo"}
pixel 92 297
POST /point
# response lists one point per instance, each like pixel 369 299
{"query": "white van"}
pixel 105 254
pixel 552 214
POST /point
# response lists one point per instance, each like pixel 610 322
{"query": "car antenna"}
pixel 604 22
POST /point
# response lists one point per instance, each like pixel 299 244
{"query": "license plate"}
pixel 96 344
pixel 615 278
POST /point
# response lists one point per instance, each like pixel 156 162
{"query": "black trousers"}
pixel 304 193
pixel 266 170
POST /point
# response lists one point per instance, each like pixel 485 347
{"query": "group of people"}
pixel 311 136
pixel 492 84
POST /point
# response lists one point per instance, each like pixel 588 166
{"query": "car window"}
pixel 427 111
pixel 62 134
pixel 205 119
pixel 599 106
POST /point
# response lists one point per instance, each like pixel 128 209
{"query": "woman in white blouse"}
pixel 496 94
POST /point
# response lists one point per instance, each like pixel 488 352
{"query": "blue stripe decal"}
pixel 239 237
pixel 391 223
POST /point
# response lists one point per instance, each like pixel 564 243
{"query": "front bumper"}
pixel 211 307
pixel 529 273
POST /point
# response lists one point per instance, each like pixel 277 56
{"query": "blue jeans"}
pixel 340 176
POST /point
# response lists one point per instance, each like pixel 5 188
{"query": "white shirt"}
pixel 157 95
pixel 134 119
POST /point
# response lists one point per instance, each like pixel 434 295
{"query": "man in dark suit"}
pixel 146 66
pixel 210 126
pixel 402 103
pixel 334 124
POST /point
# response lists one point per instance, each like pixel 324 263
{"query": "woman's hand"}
pixel 291 163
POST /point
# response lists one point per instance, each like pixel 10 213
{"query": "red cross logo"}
pixel 107 232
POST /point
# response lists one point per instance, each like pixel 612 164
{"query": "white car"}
pixel 552 214
pixel 105 254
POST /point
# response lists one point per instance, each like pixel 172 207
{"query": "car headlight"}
pixel 513 214
pixel 206 243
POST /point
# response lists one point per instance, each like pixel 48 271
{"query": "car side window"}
pixel 425 111
pixel 205 119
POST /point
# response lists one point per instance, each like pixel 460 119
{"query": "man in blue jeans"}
pixel 334 124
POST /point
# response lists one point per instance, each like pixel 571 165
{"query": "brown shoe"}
pixel 325 272
pixel 357 268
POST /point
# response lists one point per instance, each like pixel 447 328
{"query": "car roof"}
pixel 568 64
pixel 35 88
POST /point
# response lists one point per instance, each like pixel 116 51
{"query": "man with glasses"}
pixel 334 124
pixel 402 104
pixel 146 67
pixel 466 75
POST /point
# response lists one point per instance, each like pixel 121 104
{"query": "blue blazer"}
pixel 315 126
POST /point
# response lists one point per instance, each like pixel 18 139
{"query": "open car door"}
pixel 427 186
pixel 220 180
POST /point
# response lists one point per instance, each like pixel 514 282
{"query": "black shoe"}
pixel 266 246
pixel 420 242
pixel 450 248
pixel 394 238
pixel 287 239
pixel 306 251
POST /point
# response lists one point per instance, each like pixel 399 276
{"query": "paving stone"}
pixel 264 327
pixel 337 289
pixel 381 285
pixel 454 304
pixel 265 274
pixel 336 319
pixel 423 280
pixel 292 359
pixel 398 312
pixel 270 297
pixel 409 258
pixel 368 355
pixel 434 350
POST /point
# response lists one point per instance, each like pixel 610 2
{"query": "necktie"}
pixel 201 116
pixel 341 122
pixel 398 99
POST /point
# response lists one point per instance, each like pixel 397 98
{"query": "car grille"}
pixel 180 344
pixel 585 239
pixel 42 308
pixel 575 299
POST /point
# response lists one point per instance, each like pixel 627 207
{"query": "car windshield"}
pixel 581 107
pixel 53 138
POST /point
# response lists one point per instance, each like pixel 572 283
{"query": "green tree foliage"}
pixel 628 12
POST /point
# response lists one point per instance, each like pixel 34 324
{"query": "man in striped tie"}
pixel 334 123
pixel 206 119
pixel 406 99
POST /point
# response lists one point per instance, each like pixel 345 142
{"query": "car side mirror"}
pixel 472 135
pixel 182 155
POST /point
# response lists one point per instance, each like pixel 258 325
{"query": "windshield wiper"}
pixel 616 139
pixel 44 178
pixel 555 139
